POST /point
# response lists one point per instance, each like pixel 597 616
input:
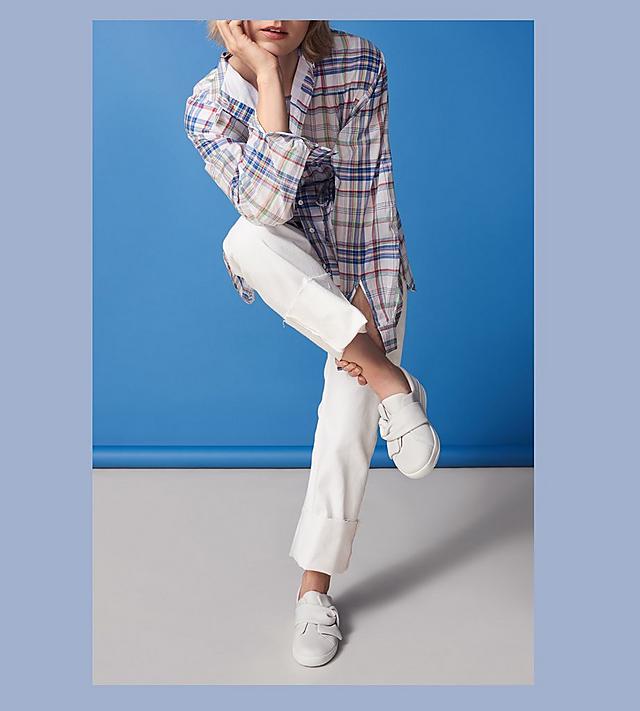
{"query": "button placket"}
pixel 314 204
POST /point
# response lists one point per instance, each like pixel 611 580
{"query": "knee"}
pixel 243 239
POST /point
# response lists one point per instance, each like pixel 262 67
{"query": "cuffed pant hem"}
pixel 322 313
pixel 322 543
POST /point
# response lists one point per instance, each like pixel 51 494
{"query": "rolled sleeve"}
pixel 259 171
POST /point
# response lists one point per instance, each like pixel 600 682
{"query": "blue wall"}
pixel 186 374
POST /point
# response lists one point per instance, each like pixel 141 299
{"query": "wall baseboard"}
pixel 283 457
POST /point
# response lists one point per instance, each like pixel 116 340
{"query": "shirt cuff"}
pixel 316 151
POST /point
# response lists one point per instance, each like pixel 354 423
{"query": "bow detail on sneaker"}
pixel 326 618
pixel 412 442
pixel 409 416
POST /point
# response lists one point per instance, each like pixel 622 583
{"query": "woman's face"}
pixel 278 44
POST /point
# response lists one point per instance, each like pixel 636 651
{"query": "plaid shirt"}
pixel 330 175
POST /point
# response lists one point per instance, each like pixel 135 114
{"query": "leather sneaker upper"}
pixel 316 630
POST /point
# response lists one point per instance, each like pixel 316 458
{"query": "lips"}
pixel 273 31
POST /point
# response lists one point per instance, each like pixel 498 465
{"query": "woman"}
pixel 292 126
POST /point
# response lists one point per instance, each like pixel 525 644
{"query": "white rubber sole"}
pixel 433 459
pixel 316 661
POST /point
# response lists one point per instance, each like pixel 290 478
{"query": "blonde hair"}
pixel 317 43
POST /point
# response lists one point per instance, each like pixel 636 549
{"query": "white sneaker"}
pixel 316 634
pixel 412 442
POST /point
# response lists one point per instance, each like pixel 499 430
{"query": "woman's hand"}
pixel 241 45
pixel 354 370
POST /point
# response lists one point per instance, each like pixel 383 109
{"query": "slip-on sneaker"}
pixel 316 633
pixel 412 442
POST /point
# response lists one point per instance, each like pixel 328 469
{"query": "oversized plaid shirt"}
pixel 330 175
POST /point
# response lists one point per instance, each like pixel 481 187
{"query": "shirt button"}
pixel 311 229
pixel 300 202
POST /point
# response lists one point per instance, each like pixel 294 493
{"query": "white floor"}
pixel 193 583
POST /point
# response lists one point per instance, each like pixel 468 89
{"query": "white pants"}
pixel 280 264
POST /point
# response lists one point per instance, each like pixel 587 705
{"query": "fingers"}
pixel 231 31
pixel 236 29
pixel 353 369
pixel 349 366
pixel 223 27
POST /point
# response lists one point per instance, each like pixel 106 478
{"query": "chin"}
pixel 275 47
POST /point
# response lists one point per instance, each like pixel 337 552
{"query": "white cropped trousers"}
pixel 280 264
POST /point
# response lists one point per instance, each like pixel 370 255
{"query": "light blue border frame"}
pixel 586 420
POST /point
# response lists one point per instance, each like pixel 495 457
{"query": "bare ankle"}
pixel 384 377
pixel 391 382
pixel 314 580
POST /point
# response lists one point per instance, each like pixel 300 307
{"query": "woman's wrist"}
pixel 269 77
pixel 272 110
